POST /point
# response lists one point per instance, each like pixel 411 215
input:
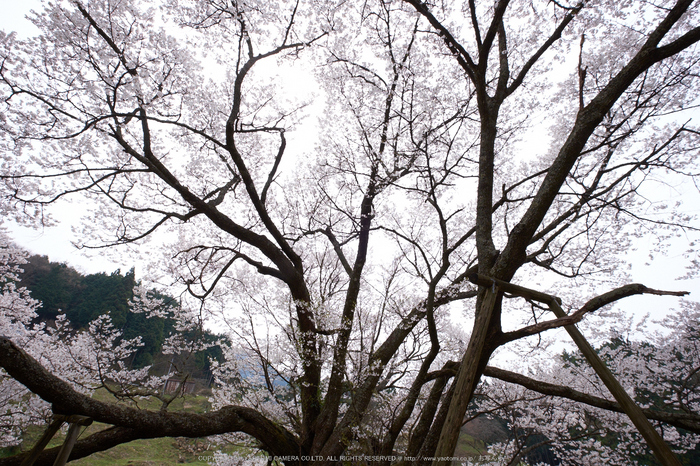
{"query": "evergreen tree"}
pixel 54 284
pixel 84 298
pixel 103 294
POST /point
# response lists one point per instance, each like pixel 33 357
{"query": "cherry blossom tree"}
pixel 17 310
pixel 96 358
pixel 580 423
pixel 337 261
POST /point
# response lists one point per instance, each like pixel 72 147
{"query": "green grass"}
pixel 192 403
pixel 469 446
pixel 152 452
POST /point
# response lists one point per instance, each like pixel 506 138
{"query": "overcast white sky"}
pixel 55 242
pixel 13 13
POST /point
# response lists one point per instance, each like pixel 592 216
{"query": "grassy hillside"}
pixel 151 452
pixel 168 451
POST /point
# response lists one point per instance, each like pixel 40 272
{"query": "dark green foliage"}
pixel 152 336
pixel 83 298
pixel 198 364
pixel 203 358
pixel 55 285
pixel 102 294
pixel 541 454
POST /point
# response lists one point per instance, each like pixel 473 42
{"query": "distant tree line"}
pixel 82 298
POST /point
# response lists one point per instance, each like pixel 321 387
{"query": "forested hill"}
pixel 83 298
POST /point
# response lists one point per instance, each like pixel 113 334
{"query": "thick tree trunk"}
pixel 470 372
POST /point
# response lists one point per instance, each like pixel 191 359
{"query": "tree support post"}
pixel 466 379
pixel 659 447
pixel 75 422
